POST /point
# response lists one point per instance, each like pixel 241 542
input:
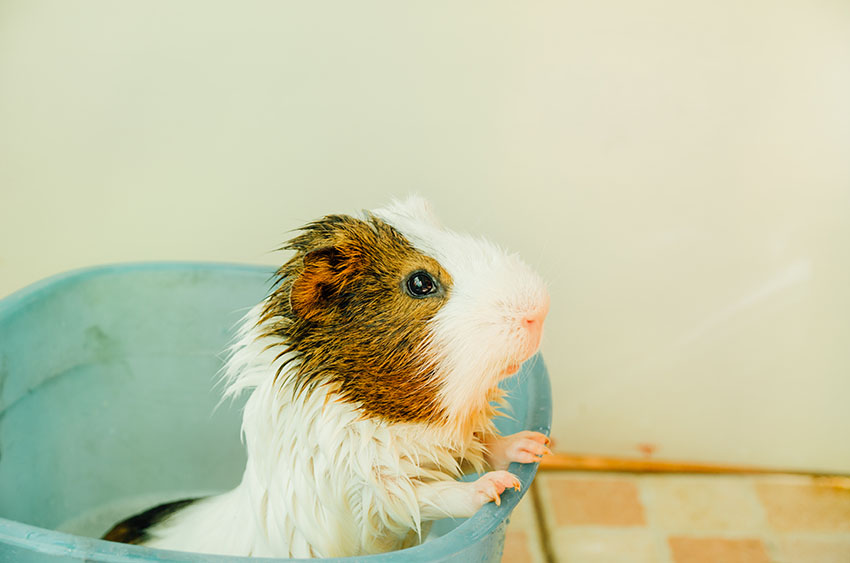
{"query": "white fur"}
pixel 322 480
pixel 478 333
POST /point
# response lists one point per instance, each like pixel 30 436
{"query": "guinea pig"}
pixel 373 367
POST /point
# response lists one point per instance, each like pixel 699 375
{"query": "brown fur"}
pixel 135 529
pixel 340 305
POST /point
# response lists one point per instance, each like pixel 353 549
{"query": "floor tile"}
pixel 583 545
pixel 815 550
pixel 517 547
pixel 805 506
pixel 617 517
pixel 715 550
pixel 703 504
pixel 595 502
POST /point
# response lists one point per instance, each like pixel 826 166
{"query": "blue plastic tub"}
pixel 107 406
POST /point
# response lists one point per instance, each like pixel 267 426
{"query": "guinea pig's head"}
pixel 409 321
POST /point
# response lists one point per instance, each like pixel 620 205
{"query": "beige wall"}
pixel 679 171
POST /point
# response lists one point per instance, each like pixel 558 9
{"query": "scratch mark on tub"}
pixel 99 347
pixel 102 346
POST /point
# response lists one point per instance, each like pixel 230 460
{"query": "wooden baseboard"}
pixel 572 462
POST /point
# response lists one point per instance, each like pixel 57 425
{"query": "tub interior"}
pixel 110 400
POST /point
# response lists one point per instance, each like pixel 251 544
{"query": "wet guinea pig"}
pixel 374 365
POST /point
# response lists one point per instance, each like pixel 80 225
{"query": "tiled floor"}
pixel 572 517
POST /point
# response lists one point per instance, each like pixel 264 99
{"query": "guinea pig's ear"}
pixel 325 274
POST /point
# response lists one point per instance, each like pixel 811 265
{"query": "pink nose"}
pixel 533 322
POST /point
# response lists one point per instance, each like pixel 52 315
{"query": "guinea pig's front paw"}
pixel 522 447
pixel 490 485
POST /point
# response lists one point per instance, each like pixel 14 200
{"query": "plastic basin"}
pixel 108 402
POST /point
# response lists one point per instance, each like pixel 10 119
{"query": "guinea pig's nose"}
pixel 533 324
pixel 533 321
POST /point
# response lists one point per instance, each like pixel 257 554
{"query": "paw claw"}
pixel 491 485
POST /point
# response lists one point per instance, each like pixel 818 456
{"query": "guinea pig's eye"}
pixel 421 284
